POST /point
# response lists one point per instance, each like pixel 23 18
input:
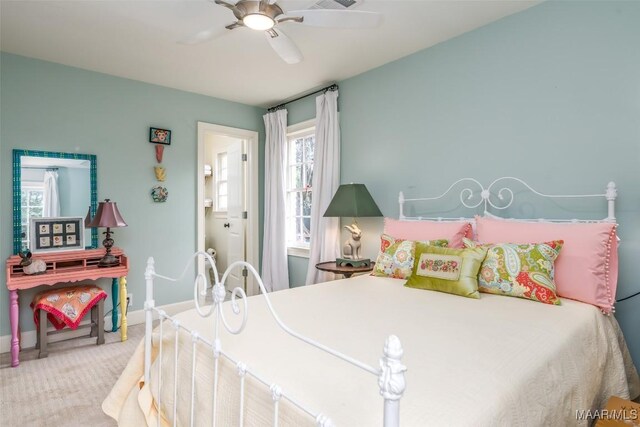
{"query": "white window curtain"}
pixel 325 232
pixel 275 270
pixel 51 199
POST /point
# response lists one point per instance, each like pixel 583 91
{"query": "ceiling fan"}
pixel 267 16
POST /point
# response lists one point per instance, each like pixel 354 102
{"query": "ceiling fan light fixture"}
pixel 258 21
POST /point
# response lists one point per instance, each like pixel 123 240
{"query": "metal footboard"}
pixel 390 373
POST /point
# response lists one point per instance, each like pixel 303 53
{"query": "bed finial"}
pixel 241 368
pixel 611 195
pixel 150 270
pixel 401 203
pixel 391 380
pixel 612 192
pixel 276 392
pixel 323 421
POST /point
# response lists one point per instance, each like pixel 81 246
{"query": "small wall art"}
pixel 160 136
pixel 159 152
pixel 161 173
pixel 159 194
pixel 56 234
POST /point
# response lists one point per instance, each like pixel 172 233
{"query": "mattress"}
pixel 488 362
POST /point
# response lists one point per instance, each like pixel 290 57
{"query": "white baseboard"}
pixel 29 338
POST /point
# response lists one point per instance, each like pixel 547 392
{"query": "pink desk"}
pixel 65 267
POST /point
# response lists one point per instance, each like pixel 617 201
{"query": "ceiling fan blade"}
pixel 225 4
pixel 284 46
pixel 338 18
pixel 204 36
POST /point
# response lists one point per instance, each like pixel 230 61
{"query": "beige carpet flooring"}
pixel 66 388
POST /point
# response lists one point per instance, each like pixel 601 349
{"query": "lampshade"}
pixel 107 216
pixel 352 200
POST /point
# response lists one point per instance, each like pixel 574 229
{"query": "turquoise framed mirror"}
pixel 52 184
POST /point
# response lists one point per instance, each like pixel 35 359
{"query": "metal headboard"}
pixel 498 195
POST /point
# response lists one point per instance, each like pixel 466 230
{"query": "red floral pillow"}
pixel 524 271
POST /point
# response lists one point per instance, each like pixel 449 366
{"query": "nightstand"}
pixel 347 272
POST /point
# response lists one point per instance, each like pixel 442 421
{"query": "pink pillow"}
pixel 587 268
pixel 453 231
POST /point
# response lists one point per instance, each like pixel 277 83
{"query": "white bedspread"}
pixel 496 361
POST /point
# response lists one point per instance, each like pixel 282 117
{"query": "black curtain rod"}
pixel 323 90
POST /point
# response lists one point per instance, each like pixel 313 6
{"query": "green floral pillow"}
pixel 523 271
pixel 396 256
pixel 450 270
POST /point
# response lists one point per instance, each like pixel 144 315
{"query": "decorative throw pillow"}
pixel 587 269
pixel 421 230
pixel 454 271
pixel 396 256
pixel 523 271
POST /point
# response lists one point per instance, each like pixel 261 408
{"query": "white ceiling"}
pixel 137 40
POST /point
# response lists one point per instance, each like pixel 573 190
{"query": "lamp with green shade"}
pixel 352 200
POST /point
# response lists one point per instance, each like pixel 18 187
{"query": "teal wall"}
pixel 47 106
pixel 297 270
pixel 551 95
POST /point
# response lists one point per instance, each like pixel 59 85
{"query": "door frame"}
pixel 252 231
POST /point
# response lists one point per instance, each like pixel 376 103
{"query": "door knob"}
pixel 227 225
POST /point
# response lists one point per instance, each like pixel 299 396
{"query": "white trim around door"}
pixel 252 233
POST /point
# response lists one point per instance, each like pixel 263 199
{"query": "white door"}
pixel 235 209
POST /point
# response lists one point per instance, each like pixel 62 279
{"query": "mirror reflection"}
pixel 53 187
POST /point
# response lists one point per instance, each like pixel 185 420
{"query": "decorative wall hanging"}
pixel 160 136
pixel 56 234
pixel 159 152
pixel 159 194
pixel 161 173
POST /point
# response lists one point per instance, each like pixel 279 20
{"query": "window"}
pixel 31 205
pixel 299 176
pixel 221 183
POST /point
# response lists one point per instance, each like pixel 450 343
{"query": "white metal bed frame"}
pixel 390 374
pixel 505 198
